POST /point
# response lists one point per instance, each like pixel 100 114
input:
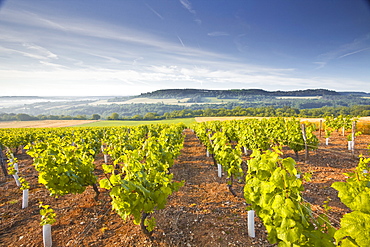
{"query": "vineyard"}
pixel 162 185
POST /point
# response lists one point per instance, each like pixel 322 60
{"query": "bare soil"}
pixel 202 213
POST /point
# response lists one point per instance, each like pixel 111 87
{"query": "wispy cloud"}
pixel 136 60
pixel 27 18
pixel 216 34
pixel 241 42
pixel 359 45
pixel 182 43
pixel 41 50
pixel 53 65
pixel 10 52
pixel 75 43
pixel 60 54
pixel 155 12
pixel 145 78
pixel 107 58
pixel 320 64
pixel 354 52
pixel 187 5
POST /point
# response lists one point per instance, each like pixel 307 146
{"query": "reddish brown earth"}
pixel 202 213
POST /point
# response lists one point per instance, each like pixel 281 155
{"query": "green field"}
pixel 215 100
pixel 186 121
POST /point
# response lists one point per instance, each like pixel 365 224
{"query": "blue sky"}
pixel 128 47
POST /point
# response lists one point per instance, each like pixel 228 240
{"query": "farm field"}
pixel 167 101
pixel 111 123
pixel 202 213
pixel 101 123
pixel 87 123
pixel 145 101
pixel 44 123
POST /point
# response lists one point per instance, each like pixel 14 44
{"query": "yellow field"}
pixel 43 123
pixel 364 122
pixel 145 101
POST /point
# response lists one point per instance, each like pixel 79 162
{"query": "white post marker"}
pixel 25 199
pixel 219 170
pixel 207 153
pixel 16 178
pixel 46 234
pixel 327 141
pixel 349 145
pixel 251 231
pixel 105 158
pixel 16 167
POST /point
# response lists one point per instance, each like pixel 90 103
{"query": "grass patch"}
pixel 112 123
pixel 364 127
pixel 220 101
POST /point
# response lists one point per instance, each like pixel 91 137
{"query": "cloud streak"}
pixel 61 52
pixel 182 43
pixel 136 81
pixel 155 12
pixel 41 51
pixel 354 52
pixel 217 34
pixel 188 6
pixel 359 45
pixel 84 35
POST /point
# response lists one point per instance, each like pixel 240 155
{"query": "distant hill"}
pixel 234 93
pixel 19 97
pixel 186 101
pixel 359 94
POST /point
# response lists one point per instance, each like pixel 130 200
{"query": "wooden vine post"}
pixel 303 126
pixel 353 138
pixel 2 164
pixel 320 128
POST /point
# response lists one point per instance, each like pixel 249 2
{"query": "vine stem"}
pixel 144 215
pixel 230 185
pixel 95 187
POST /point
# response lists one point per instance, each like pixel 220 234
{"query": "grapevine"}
pixel 274 192
pixel 139 181
pixel 355 194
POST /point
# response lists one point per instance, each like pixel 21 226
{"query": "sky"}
pixel 128 47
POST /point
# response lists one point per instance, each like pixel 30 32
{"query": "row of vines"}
pixel 139 178
pixel 273 185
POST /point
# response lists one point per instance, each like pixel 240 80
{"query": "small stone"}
pixel 70 243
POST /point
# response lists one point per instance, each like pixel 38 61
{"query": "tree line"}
pixel 268 111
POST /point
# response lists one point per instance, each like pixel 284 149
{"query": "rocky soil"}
pixel 202 213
